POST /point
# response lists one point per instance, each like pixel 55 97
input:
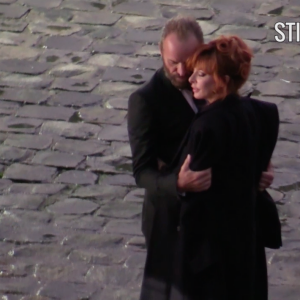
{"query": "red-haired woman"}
pixel 220 251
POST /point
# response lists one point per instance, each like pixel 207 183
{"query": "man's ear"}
pixel 227 79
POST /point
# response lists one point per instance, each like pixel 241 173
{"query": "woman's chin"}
pixel 197 96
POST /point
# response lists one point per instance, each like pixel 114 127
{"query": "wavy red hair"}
pixel 226 55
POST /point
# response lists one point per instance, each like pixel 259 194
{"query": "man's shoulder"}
pixel 152 86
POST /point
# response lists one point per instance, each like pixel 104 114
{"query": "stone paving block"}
pixel 102 192
pixel 7 1
pixel 23 66
pixel 20 201
pixel 138 8
pixel 75 85
pixel 23 81
pixel 238 18
pixel 77 177
pixel 13 124
pixel 96 18
pixel 118 103
pixel 66 290
pixel 267 61
pixel 63 56
pixel 13 39
pixel 41 3
pixel 97 241
pixel 55 15
pixel 12 25
pixel 93 256
pixel 199 14
pixel 113 275
pixel 10 154
pixel 80 147
pixel 278 88
pixel 72 273
pixel 57 159
pixel 270 9
pixel 19 286
pixel 75 99
pixel 29 141
pixel 72 43
pixel 249 33
pixel 120 210
pixel 73 206
pixel 142 36
pixel 114 133
pixel 36 189
pixel 24 95
pixel 102 115
pixel 114 48
pixel 13 11
pixel 117 294
pixel 10 52
pixel 123 227
pixel 122 180
pixel 8 108
pixel 140 22
pixel 44 112
pixel 29 173
pixel 64 29
pixel 105 32
pixel 82 5
pixel 84 223
pixel 70 130
pixel 136 195
pixel 71 70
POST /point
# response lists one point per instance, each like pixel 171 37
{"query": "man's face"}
pixel 174 54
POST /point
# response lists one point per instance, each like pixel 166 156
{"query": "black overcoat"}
pixel 219 248
pixel 158 119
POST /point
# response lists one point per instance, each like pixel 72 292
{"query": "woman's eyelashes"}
pixel 201 74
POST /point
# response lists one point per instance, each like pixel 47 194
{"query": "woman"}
pixel 220 255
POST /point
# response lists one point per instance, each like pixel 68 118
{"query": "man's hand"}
pixel 161 164
pixel 190 181
pixel 266 178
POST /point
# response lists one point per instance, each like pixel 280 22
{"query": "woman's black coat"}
pixel 217 250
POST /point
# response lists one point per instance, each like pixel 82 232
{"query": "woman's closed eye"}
pixel 201 74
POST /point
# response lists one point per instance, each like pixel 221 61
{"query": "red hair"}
pixel 226 55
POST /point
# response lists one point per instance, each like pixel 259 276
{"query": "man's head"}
pixel 181 37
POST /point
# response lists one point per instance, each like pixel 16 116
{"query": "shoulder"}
pixel 262 108
pixel 149 88
pixel 259 104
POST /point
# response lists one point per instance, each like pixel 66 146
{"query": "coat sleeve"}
pixel 143 143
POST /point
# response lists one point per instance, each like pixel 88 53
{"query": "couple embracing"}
pixel 203 155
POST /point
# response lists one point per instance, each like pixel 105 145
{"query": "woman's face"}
pixel 202 85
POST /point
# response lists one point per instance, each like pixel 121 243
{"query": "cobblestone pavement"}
pixel 70 211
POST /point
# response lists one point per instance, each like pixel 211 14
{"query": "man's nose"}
pixel 181 69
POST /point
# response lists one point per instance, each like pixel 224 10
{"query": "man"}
pixel 159 115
